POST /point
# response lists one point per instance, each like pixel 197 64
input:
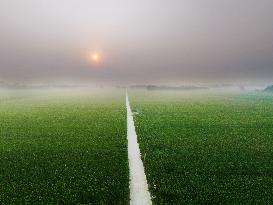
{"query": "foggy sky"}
pixel 140 41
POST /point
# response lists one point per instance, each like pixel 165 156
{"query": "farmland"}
pixel 69 146
pixel 206 148
pixel 63 147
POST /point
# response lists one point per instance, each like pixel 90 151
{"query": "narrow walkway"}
pixel 139 193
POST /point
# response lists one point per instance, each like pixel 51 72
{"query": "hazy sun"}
pixel 95 58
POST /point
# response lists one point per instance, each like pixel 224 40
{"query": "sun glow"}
pixel 95 57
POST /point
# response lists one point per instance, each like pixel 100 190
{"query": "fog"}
pixel 155 41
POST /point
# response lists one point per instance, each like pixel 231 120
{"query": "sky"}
pixel 136 41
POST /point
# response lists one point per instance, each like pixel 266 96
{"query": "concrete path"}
pixel 139 193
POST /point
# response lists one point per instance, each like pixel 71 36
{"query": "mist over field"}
pixel 143 102
pixel 136 42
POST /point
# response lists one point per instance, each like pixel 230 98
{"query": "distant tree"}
pixel 269 88
pixel 242 87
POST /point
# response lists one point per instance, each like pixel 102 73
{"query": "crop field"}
pixel 69 146
pixel 63 147
pixel 206 148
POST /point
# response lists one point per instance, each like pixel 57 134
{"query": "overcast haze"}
pixel 140 41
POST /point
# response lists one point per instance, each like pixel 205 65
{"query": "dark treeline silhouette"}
pixel 269 88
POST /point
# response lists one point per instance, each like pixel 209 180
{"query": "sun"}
pixel 95 57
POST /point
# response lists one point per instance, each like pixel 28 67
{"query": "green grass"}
pixel 69 147
pixel 206 148
pixel 63 147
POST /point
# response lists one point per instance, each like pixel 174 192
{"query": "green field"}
pixel 69 146
pixel 63 147
pixel 206 148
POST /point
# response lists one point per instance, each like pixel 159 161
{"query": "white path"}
pixel 139 193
